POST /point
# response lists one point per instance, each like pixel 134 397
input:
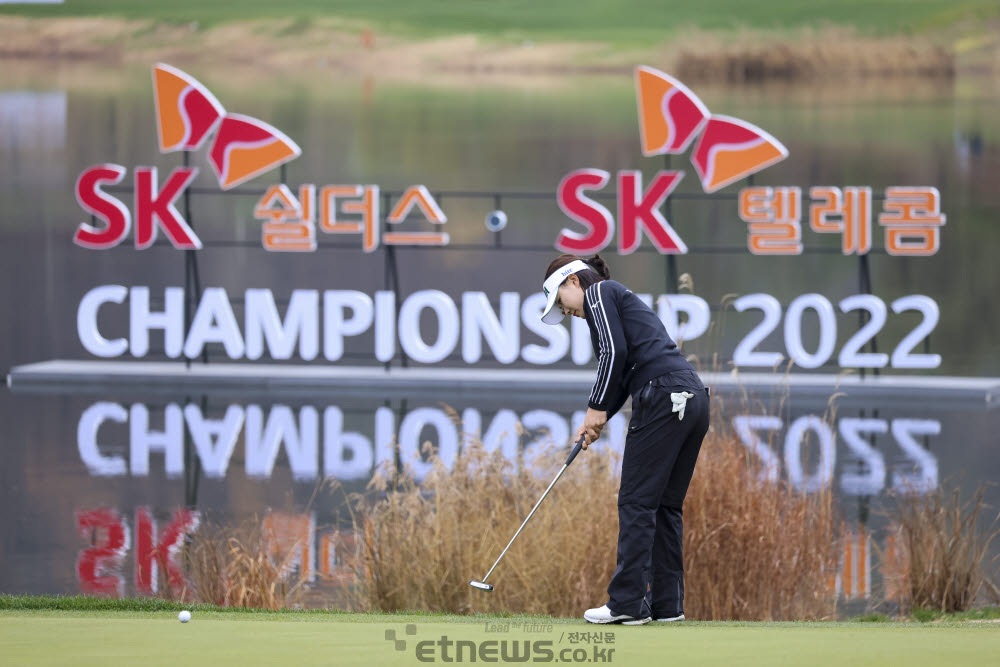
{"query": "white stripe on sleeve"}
pixel 602 354
pixel 607 347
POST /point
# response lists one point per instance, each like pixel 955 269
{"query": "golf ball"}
pixel 184 616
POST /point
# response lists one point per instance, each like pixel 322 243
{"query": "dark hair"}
pixel 597 272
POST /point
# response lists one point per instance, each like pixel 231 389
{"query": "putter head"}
pixel 480 585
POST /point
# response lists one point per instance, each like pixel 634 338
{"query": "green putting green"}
pixel 213 638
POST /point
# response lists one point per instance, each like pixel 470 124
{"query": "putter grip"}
pixel 576 450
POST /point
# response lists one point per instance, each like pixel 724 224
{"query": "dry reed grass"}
pixel 811 54
pixel 420 545
pixel 753 550
pixel 237 567
pixel 943 561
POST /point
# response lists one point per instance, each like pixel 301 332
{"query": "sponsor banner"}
pixel 319 324
pixel 854 456
pixel 724 150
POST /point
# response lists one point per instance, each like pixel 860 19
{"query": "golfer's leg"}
pixel 649 457
pixel 667 588
pixel 627 589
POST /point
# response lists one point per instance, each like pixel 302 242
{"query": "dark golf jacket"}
pixel 630 342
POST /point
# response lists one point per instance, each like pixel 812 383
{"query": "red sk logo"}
pixel 731 149
pixel 186 112
pixel 246 147
pixel 670 115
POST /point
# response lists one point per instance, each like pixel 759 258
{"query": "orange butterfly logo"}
pixel 187 113
pixel 671 116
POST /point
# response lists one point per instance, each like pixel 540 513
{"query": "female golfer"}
pixel 636 357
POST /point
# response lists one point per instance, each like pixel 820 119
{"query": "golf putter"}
pixel 482 585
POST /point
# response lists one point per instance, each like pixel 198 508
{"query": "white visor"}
pixel 550 288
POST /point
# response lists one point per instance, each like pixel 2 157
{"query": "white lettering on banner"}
pixel 850 355
pixel 556 337
pixel 447 326
pixel 169 441
pixel 746 353
pixel 479 321
pixel 808 446
pixel 214 322
pixel 385 332
pixel 747 426
pixel 670 306
pixel 926 477
pixel 902 357
pixel 795 441
pixel 347 455
pixel 86 439
pixel 300 437
pixel 827 330
pixel 264 324
pixel 170 321
pixel 86 321
pixel 872 480
pixel 433 313
pixel 336 325
pixel 214 439
pixel 869 478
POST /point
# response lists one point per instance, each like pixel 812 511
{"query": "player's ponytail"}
pixel 599 266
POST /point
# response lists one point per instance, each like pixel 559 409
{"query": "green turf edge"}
pixel 81 603
pixel 86 603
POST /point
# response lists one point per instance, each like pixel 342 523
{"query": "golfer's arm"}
pixel 607 394
pixel 619 401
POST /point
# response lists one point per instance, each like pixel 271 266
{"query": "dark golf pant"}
pixel 660 455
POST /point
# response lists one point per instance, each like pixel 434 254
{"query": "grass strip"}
pixel 82 603
pixel 555 19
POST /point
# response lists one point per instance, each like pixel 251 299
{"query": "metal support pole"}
pixel 496 235
pixel 192 291
pixel 865 287
pixel 391 274
pixel 672 277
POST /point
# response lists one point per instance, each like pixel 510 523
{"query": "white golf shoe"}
pixel 604 615
pixel 670 619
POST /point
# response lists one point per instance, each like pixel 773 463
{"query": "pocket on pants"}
pixel 643 406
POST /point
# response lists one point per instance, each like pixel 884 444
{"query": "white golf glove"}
pixel 680 400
